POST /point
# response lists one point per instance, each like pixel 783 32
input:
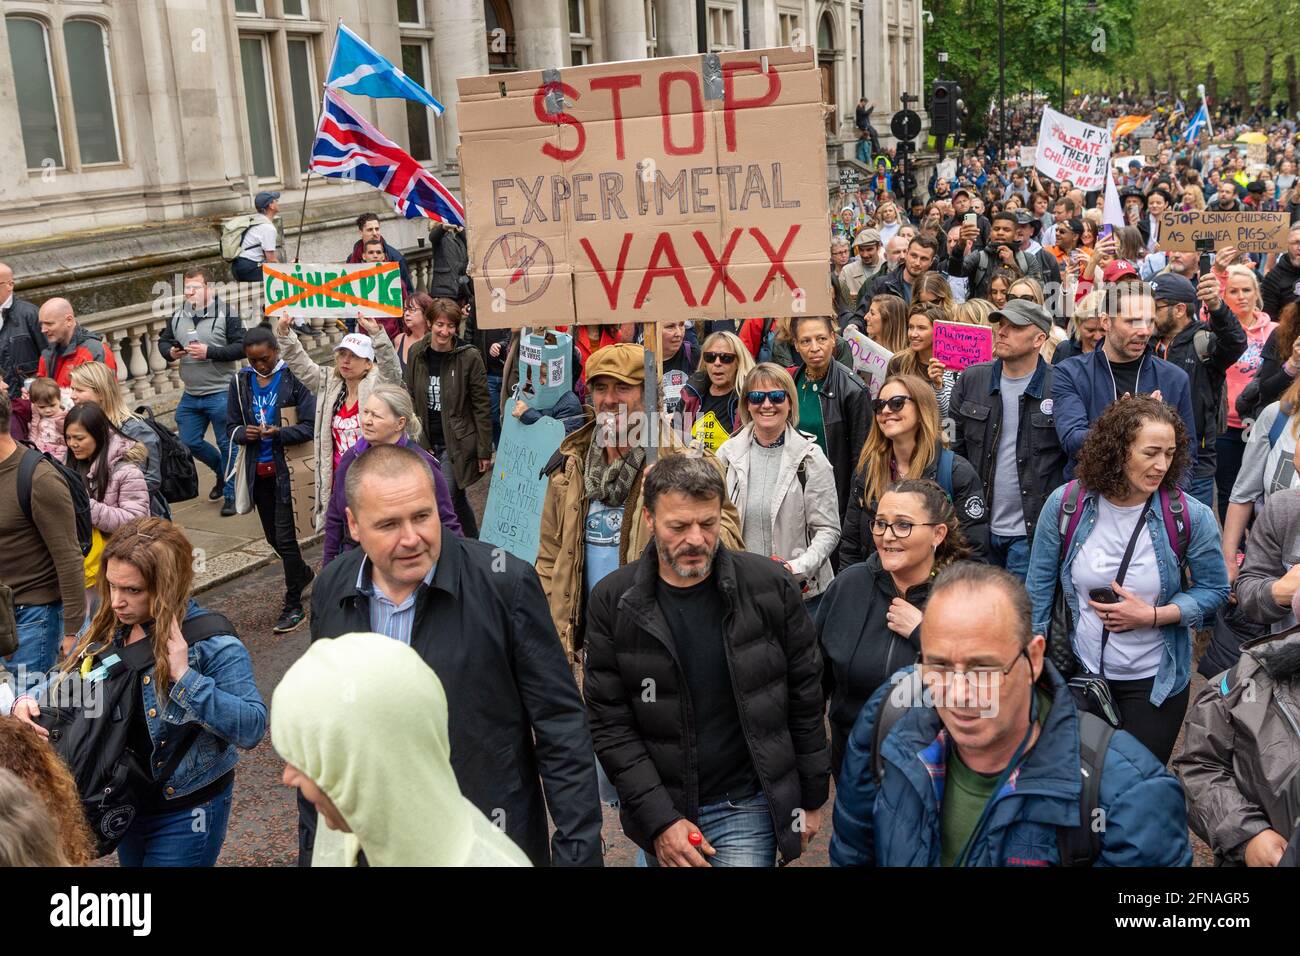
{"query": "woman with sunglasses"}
pixel 710 401
pixel 868 624
pixel 919 360
pixel 906 441
pixel 1135 633
pixel 781 483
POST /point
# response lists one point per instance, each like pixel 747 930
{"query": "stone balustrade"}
pixel 147 377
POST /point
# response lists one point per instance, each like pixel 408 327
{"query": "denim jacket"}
pixel 1198 604
pixel 219 693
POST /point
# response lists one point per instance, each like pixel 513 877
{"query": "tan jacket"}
pixel 564 517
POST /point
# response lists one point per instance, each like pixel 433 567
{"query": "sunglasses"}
pixel 726 358
pixel 894 404
pixel 776 396
pixel 1021 298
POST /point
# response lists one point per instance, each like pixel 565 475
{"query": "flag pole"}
pixel 302 216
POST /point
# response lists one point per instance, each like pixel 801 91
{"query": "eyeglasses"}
pixel 776 396
pixel 901 529
pixel 894 404
pixel 1022 297
pixel 726 358
pixel 946 675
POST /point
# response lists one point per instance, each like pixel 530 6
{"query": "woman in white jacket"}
pixel 782 484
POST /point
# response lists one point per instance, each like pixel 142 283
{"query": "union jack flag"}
pixel 347 147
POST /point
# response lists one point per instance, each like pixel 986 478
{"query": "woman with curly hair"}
pixel 1136 633
pixel 869 621
pixel 34 762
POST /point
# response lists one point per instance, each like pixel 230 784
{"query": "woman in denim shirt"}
pixel 1137 447
pixel 144 597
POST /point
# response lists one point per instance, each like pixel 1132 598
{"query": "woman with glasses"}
pixel 918 359
pixel 781 483
pixel 415 325
pixel 905 440
pixel 868 624
pixel 710 402
pixel 1135 633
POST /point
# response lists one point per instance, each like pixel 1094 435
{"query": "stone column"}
pixel 677 27
pixel 459 49
pixel 541 35
pixel 625 37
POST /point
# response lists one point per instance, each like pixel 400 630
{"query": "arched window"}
pixel 825 33
pixel 500 23
pixel 29 50
pixel 86 43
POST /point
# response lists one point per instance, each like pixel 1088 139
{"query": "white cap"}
pixel 358 344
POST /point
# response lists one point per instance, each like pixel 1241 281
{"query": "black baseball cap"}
pixel 1170 287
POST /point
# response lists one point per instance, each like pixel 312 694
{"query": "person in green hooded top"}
pixel 361 722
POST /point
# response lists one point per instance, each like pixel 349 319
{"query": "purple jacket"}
pixel 337 539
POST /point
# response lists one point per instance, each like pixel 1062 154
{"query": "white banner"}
pixel 1073 150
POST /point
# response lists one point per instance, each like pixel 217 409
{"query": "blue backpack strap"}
pixel 943 473
pixel 1279 423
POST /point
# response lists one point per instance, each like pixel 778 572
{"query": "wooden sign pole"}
pixel 654 364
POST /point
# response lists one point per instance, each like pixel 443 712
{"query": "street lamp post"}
pixel 1063 22
pixel 1002 85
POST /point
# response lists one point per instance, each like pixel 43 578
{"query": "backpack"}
pixel 766 340
pixel 180 479
pixel 1076 846
pixel 1173 510
pixel 76 487
pixel 112 780
pixel 943 472
pixel 233 231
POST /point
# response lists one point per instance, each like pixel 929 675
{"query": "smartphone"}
pixel 1104 595
pixel 1105 231
pixel 970 219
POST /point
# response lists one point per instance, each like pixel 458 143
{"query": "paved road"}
pixel 263 827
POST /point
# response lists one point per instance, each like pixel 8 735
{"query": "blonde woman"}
pixel 1084 331
pixel 96 383
pixel 906 441
pixel 1193 198
pixel 711 398
pixel 973 312
pixel 886 322
pixel 782 484
pixel 933 289
pixel 1241 294
pixel 1031 290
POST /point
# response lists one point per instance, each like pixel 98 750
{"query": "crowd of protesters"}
pixel 972 596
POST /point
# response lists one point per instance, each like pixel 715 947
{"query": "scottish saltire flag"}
pixel 347 147
pixel 1201 119
pixel 356 67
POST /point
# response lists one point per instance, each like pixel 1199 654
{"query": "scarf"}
pixel 610 483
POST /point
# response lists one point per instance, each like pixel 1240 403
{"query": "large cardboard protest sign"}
pixel 513 517
pixel 1074 150
pixel 1149 147
pixel 1246 231
pixel 1257 154
pixel 674 188
pixel 304 291
pixel 870 359
pixel 959 346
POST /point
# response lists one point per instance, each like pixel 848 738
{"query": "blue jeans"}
pixel 190 837
pixel 1202 489
pixel 192 417
pixel 1011 554
pixel 40 631
pixel 741 833
pixel 494 396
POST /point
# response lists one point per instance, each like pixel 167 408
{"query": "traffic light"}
pixel 945 109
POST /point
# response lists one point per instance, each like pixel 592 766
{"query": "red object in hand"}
pixel 696 838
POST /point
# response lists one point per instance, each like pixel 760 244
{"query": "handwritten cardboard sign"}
pixel 1257 154
pixel 1074 150
pixel 1247 231
pixel 960 346
pixel 513 516
pixel 870 359
pixel 301 461
pixel 688 187
pixel 1028 156
pixel 1149 147
pixel 305 291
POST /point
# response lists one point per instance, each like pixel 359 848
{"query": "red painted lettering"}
pixel 692 81
pixel 719 266
pixel 539 107
pixel 777 259
pixel 616 85
pixel 664 247
pixel 611 288
pixel 730 103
